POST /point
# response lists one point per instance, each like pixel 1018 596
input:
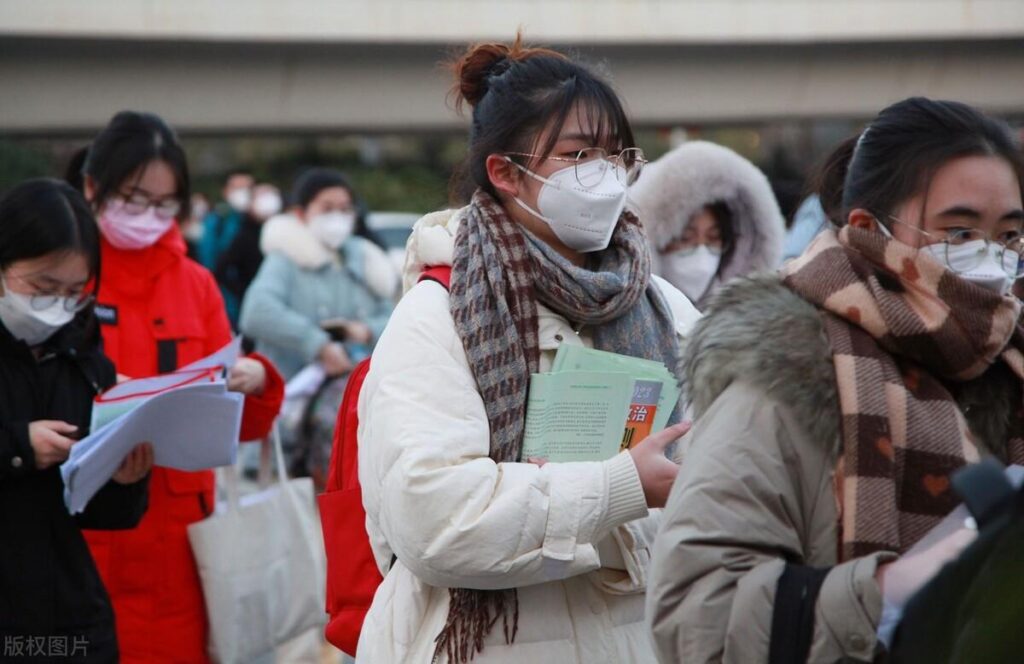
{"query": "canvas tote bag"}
pixel 261 562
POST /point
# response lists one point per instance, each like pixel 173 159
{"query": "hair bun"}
pixel 474 68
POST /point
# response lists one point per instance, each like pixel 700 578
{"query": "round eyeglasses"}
pixel 73 303
pixel 137 204
pixel 1009 240
pixel 626 164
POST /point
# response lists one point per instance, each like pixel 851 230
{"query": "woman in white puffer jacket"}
pixel 487 557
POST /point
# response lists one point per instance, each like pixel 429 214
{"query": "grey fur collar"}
pixel 758 331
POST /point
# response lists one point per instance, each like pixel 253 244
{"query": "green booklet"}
pixel 594 404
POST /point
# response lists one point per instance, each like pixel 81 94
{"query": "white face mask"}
pixel 199 211
pixel 691 270
pixel 25 323
pixel 266 205
pixel 583 219
pixel 239 199
pixel 988 273
pixel 333 228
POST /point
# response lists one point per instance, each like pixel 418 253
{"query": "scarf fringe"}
pixel 472 615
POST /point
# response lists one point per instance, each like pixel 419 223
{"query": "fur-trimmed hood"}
pixel 693 175
pixel 757 330
pixel 431 244
pixel 288 235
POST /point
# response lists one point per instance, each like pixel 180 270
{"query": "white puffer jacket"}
pixel 574 538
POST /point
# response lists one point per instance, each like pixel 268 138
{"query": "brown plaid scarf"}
pixel 900 324
pixel 499 273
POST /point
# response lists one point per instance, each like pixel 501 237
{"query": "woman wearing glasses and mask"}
pixel 833 401
pixel 52 602
pixel 497 559
pixel 158 311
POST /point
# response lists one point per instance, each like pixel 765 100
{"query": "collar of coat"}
pixel 72 339
pixel 758 331
pixel 287 235
pixel 132 271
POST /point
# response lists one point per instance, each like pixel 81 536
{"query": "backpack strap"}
pixel 984 488
pixel 343 472
pixel 796 596
pixel 442 274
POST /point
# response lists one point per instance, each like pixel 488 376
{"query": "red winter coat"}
pixel 158 311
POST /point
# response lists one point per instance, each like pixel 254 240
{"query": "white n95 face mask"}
pixel 967 262
pixel 333 228
pixel 691 270
pixel 582 218
pixel 239 199
pixel 266 205
pixel 25 323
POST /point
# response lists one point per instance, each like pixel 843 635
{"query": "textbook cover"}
pixel 594 404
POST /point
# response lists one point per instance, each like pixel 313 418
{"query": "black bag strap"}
pixel 796 595
pixel 984 488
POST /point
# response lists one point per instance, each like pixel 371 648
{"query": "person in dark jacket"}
pixel 52 602
pixel 238 265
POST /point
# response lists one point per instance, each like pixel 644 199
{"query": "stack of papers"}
pixel 189 417
pixel 593 404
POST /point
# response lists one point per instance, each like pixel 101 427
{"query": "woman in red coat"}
pixel 158 311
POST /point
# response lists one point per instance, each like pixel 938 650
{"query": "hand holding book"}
pixel 656 471
pixel 594 404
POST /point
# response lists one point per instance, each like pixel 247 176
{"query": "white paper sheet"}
pixel 128 395
pixel 225 357
pixel 306 382
pixel 191 428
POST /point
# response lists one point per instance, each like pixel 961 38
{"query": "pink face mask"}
pixel 132 231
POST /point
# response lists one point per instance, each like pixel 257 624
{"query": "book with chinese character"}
pixel 594 404
pixel 655 389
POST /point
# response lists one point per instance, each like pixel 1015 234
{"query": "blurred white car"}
pixel 393 228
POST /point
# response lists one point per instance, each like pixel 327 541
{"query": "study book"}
pixel 594 404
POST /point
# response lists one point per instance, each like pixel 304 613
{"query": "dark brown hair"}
pixel 516 92
pixel 128 142
pixel 896 155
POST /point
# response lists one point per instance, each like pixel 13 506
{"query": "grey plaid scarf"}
pixel 499 273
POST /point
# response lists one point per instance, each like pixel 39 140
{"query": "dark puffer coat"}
pixel 53 606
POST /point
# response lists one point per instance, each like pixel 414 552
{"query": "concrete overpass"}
pixel 373 65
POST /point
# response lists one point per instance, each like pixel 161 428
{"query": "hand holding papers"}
pixel 189 416
pixel 594 404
